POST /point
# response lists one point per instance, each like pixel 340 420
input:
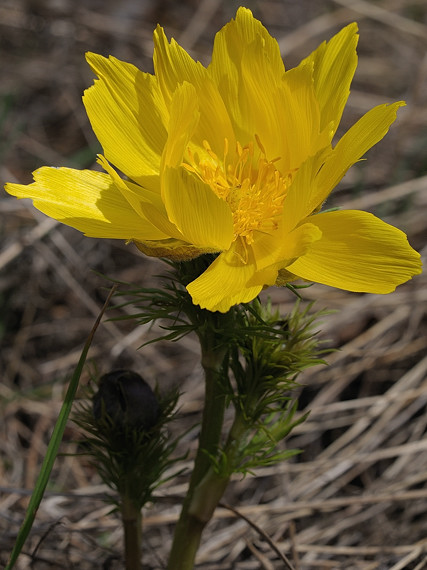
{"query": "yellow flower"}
pixel 234 159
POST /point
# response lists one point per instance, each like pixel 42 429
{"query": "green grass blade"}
pixel 54 443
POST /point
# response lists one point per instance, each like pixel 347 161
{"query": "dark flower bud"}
pixel 125 400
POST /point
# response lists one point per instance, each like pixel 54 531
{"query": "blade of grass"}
pixel 54 443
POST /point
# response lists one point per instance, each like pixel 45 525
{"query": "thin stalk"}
pixel 132 527
pixel 190 526
pixel 210 489
pixel 213 413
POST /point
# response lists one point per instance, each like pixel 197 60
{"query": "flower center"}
pixel 250 183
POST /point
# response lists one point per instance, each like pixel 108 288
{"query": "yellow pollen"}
pixel 250 183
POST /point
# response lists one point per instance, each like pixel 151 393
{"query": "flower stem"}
pixel 132 526
pixel 193 519
pixel 210 489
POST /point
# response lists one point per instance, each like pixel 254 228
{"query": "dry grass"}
pixel 357 497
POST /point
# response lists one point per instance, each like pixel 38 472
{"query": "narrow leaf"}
pixel 54 443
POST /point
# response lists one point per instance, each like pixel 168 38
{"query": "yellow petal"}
pixel 86 200
pixel 147 204
pixel 230 46
pixel 175 69
pixel 185 116
pixel 319 174
pixel 214 124
pixel 280 108
pixel 173 65
pixel 358 252
pixel 280 249
pixel 225 282
pixel 128 115
pixel 202 218
pixel 303 195
pixel 363 135
pixel 273 108
pixel 298 120
pixel 334 64
pixel 245 30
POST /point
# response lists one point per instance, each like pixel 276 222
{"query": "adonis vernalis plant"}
pixel 223 170
pixel 235 159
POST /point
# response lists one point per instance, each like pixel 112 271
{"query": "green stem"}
pixel 201 502
pixel 213 413
pixel 132 526
pixel 210 489
pixel 190 525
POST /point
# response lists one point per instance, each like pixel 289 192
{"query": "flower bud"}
pixel 126 401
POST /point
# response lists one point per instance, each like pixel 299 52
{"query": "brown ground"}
pixel 357 497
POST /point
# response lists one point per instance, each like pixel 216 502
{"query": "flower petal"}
pixel 88 201
pixel 283 113
pixel 334 64
pixel 230 46
pixel 174 68
pixel 363 135
pixel 202 218
pixel 280 249
pixel 264 100
pixel 225 282
pixel 185 116
pixel 302 198
pixel 319 174
pixel 128 115
pixel 358 252
pixel 298 125
pixel 173 65
pixel 146 203
pixel 214 124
